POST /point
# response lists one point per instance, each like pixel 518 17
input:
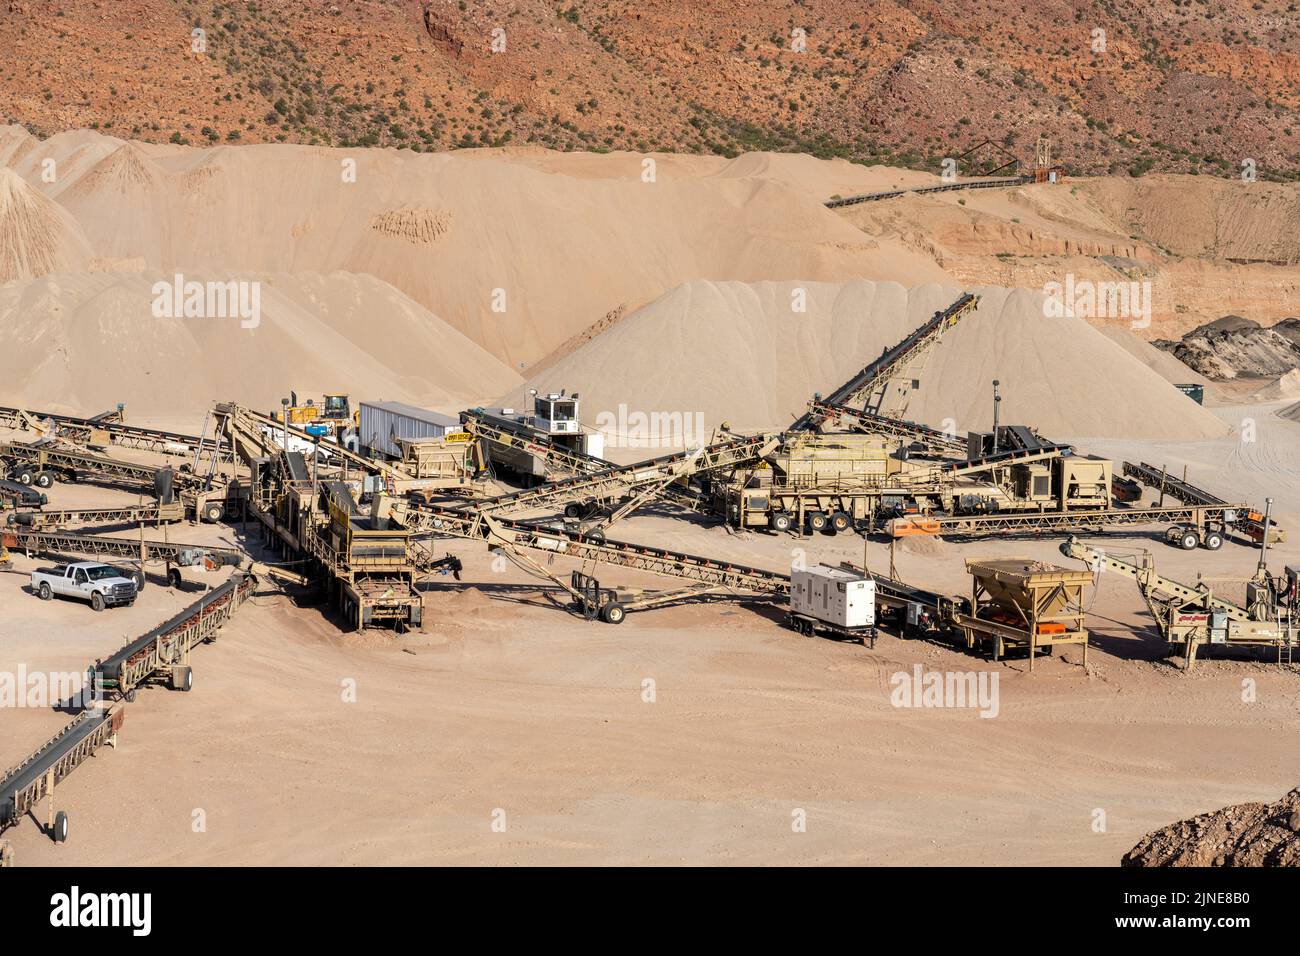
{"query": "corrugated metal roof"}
pixel 419 414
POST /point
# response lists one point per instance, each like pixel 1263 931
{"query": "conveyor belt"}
pixel 24 785
pixel 1152 584
pixel 1001 183
pixel 1020 456
pixel 171 640
pixel 498 432
pixel 37 541
pixel 616 481
pixel 119 433
pixel 1250 519
pixel 1062 522
pixel 130 514
pixel 462 524
pixel 867 388
pixel 843 416
pixel 98 467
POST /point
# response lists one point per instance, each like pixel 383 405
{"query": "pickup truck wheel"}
pixel 97 601
pixel 44 479
pixel 60 831
pixel 45 591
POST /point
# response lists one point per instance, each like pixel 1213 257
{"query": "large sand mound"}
pixel 82 342
pixel 37 237
pixel 507 246
pixel 1248 834
pixel 738 352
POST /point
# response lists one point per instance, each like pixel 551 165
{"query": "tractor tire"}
pixel 60 830
pixel 1213 541
pixel 97 602
pixel 840 522
pixel 782 522
pixel 613 613
pixel 818 521
pixel 45 592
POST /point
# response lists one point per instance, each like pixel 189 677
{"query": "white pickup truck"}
pixel 101 584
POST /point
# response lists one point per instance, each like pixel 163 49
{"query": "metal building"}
pixel 381 422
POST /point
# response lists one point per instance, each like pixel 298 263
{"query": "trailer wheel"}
pixel 213 511
pixel 781 521
pixel 613 613
pixel 45 592
pixel 573 510
pixel 174 578
pixel 1188 540
pixel 44 479
pixel 840 521
pixel 129 696
pixel 182 679
pixel 97 601
pixel 1213 541
pixel 25 476
pixel 817 521
pixel 60 831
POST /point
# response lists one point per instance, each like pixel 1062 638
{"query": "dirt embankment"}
pixel 1233 346
pixel 1247 834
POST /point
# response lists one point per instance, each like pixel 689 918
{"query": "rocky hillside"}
pixel 1175 85
pixel 1248 834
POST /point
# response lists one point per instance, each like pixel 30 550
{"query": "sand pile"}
pixel 1287 386
pixel 1248 834
pixel 1158 360
pixel 506 245
pixel 37 237
pixel 717 351
pixel 85 342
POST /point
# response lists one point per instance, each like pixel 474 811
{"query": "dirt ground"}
pixel 512 731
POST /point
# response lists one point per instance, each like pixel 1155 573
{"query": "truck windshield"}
pixel 102 572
